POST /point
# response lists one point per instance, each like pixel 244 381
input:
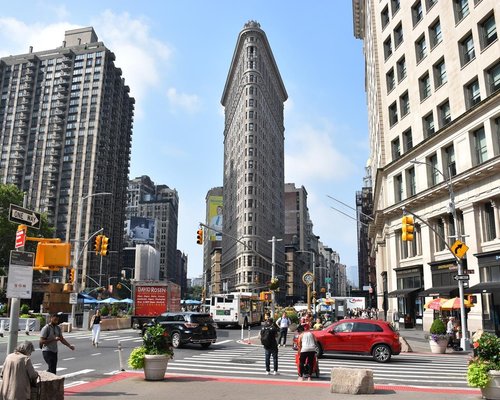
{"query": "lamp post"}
pixel 76 252
pixel 464 341
pixel 313 271
pixel 273 271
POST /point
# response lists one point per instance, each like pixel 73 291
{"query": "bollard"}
pixel 27 329
pixel 2 328
pixel 120 356
pixel 242 332
pixel 248 333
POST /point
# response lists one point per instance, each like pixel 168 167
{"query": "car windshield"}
pixel 201 318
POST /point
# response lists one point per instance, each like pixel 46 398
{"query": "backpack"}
pixel 266 337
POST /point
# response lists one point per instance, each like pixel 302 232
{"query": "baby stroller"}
pixel 308 369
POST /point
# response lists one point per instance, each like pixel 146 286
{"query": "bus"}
pixel 236 308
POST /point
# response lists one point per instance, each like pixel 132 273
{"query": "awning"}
pixel 402 292
pixel 446 291
pixel 484 287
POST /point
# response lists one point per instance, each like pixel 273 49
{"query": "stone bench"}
pixel 49 387
pixel 352 381
pixel 65 326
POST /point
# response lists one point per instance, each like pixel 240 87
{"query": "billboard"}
pixel 141 230
pixel 215 217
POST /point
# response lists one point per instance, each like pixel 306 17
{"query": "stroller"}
pixel 454 342
pixel 308 369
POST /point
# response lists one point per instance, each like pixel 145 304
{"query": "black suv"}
pixel 187 327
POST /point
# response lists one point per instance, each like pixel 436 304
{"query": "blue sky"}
pixel 175 56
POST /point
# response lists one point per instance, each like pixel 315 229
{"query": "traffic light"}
pixel 104 246
pixel 118 286
pixel 71 275
pixel 407 228
pixel 199 236
pixel 97 245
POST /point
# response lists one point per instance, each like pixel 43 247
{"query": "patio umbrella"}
pixel 435 304
pixel 128 301
pixel 109 300
pixel 454 304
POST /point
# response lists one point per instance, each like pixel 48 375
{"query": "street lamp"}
pixel 76 253
pixel 273 271
pixel 449 183
pixel 313 271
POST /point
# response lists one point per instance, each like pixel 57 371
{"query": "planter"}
pixel 155 367
pixel 492 391
pixel 438 347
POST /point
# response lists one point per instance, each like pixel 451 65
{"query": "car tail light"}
pixel 190 325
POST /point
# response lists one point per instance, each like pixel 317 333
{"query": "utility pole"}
pixel 273 271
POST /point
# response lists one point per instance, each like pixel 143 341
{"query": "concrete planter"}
pixel 492 391
pixel 439 346
pixel 155 367
pixel 113 324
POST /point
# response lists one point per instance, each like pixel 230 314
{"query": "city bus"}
pixel 236 308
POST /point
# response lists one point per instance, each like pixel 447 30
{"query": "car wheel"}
pixel 205 345
pixel 176 340
pixel 381 353
pixel 319 350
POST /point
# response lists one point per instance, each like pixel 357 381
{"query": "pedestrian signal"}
pixel 407 228
pixel 104 246
pixel 199 236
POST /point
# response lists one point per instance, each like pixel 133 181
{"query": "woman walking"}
pixel 95 324
pixel 18 374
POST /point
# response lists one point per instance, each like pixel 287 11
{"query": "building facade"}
pixel 212 240
pixel 65 135
pixel 432 80
pixel 253 186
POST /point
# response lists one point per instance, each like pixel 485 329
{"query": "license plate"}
pixel 205 328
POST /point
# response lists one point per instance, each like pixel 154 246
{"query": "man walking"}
pixel 268 339
pixel 49 336
pixel 283 323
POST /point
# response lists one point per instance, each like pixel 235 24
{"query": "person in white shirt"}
pixel 306 345
pixel 283 322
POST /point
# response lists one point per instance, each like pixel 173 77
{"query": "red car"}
pixel 357 336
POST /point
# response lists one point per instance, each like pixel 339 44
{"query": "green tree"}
pixel 193 293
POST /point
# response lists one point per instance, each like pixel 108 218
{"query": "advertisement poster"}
pixel 150 300
pixel 141 230
pixel 20 281
pixel 215 217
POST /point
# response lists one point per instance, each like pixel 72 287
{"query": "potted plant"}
pixel 484 368
pixel 154 353
pixel 438 339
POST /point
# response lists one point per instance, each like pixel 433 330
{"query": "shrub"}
pixel 487 358
pixel 154 342
pixel 25 309
pixel 438 327
pixel 105 311
pixel 114 311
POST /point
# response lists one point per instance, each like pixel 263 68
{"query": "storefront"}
pixel 489 289
pixel 410 306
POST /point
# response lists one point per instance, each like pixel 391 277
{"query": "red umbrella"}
pixel 435 304
pixel 454 304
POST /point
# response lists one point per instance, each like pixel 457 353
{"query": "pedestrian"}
pixel 18 374
pixel 318 325
pixel 283 322
pixel 395 319
pixel 268 335
pixel 95 324
pixel 306 347
pixel 50 335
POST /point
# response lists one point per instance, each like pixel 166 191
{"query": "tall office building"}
pixel 253 186
pixel 432 80
pixel 65 133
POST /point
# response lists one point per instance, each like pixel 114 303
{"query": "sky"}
pixel 175 56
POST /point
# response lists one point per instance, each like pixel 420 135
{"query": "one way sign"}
pixel 24 216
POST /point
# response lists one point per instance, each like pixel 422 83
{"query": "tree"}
pixel 193 293
pixel 10 194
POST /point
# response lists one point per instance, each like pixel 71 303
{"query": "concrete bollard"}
pixel 27 329
pixel 2 328
pixel 120 356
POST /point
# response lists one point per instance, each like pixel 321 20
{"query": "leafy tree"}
pixel 193 293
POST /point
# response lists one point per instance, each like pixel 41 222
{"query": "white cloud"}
pixel 310 155
pixel 187 102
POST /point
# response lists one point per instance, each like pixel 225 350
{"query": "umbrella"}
pixel 435 304
pixel 128 301
pixel 191 302
pixel 86 298
pixel 454 304
pixel 109 300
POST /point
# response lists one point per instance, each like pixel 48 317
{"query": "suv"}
pixel 187 327
pixel 358 336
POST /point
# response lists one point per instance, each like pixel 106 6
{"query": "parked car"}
pixel 187 327
pixel 357 336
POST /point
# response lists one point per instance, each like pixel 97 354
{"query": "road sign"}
pixel 19 284
pixel 22 215
pixel 459 249
pixel 469 271
pixel 73 298
pixel 20 238
pixel 461 277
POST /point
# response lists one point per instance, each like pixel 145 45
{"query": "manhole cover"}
pixel 242 361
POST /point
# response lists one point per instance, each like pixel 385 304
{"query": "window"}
pixel 430 3
pixel 387 48
pixel 444 114
pixel 461 8
pixel 384 16
pixel 489 222
pixel 435 34
pixel 488 31
pixel 396 149
pixel 425 86
pixel 411 185
pixel 440 77
pixel 467 53
pixel 417 12
pixel 404 104
pixel 440 235
pixel 480 149
pixel 398 35
pixel 391 82
pixel 428 123
pixel 407 140
pixel 449 161
pixel 393 114
pixel 432 170
pixel 395 6
pixel 401 68
pixel 472 94
pixel 421 48
pixel 398 188
pixel 495 130
pixel 493 78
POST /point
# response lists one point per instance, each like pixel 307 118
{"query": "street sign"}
pixel 20 281
pixel 459 249
pixel 24 216
pixel 73 298
pixel 469 271
pixel 461 277
pixel 20 238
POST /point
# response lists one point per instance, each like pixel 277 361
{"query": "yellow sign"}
pixel 459 249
